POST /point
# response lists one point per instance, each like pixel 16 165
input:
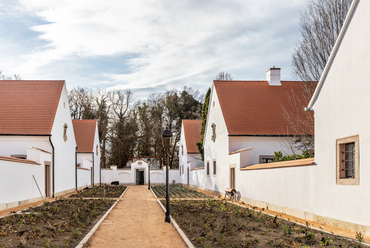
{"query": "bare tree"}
pixel 320 25
pixel 5 77
pixel 224 76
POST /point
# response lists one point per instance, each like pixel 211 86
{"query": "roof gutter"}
pixel 7 134
pixel 261 135
pixel 332 55
pixel 53 166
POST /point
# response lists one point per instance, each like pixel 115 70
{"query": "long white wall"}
pixel 128 176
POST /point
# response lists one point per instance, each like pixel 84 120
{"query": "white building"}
pixel 36 125
pixel 342 134
pixel 245 126
pixel 189 156
pixel 88 152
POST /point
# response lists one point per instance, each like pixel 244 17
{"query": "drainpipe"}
pixel 53 166
pixel 100 173
pixel 76 166
pixel 93 168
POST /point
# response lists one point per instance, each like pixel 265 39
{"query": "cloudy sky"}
pixel 147 45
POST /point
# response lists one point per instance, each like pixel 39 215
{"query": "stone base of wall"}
pixel 8 205
pixel 365 230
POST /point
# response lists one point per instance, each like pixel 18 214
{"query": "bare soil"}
pixel 178 191
pixel 217 223
pixel 105 191
pixel 61 223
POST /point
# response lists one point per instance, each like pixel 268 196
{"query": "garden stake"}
pixel 38 187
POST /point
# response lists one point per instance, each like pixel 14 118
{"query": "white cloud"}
pixel 163 41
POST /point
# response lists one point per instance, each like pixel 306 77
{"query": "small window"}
pixel 214 167
pixel 264 159
pixel 348 160
pixel 207 168
pixel 180 170
pixel 232 178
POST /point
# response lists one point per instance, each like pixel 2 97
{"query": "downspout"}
pixel 100 173
pixel 76 166
pixel 53 166
pixel 93 169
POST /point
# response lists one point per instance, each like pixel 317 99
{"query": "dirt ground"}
pixel 136 221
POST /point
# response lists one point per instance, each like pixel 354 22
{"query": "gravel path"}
pixel 136 221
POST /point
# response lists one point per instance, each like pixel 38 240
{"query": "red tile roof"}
pixel 256 108
pixel 28 107
pixel 18 160
pixel 85 134
pixel 192 134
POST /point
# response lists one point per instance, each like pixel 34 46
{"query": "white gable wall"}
pixel 183 157
pixel 341 110
pixel 218 150
pixel 96 149
pixel 64 152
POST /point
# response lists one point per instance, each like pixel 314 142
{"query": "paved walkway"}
pixel 136 221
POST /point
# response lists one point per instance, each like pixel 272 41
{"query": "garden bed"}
pixel 61 223
pixel 105 191
pixel 178 191
pixel 216 223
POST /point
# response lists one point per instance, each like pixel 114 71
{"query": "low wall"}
pixel 128 176
pixel 18 185
pixel 83 177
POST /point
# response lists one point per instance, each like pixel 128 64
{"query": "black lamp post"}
pixel 166 140
pixel 148 160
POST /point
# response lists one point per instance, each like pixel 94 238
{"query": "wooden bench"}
pixel 231 193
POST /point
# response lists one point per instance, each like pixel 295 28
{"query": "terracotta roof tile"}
pixel 85 134
pixel 192 130
pixel 28 107
pixel 256 108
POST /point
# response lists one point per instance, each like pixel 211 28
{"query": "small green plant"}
pixel 359 237
pixel 325 241
pixel 36 230
pixel 46 243
pixel 287 229
pixel 221 238
pixel 248 235
pixel 310 235
pixel 75 233
pixel 190 228
pixel 56 245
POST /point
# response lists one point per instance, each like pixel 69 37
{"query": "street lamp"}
pixel 166 140
pixel 148 161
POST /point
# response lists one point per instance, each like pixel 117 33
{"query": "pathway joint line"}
pixel 92 231
pixel 182 234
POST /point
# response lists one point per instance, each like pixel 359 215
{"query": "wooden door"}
pixel 232 178
pixel 188 176
pixel 47 179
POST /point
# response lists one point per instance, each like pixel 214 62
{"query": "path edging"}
pixel 182 234
pixel 92 231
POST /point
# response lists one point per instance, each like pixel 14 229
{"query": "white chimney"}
pixel 273 76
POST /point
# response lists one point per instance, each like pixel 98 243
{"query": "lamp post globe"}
pixel 166 140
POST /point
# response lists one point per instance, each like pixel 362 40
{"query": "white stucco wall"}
pixel 128 176
pixel 96 149
pixel 10 145
pixel 341 111
pixel 17 183
pixel 84 178
pixel 64 151
pixel 261 145
pixel 218 150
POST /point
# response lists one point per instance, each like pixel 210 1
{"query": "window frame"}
pixel 340 160
pixel 266 156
